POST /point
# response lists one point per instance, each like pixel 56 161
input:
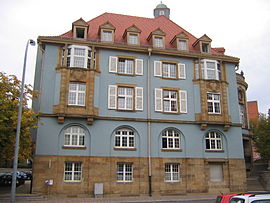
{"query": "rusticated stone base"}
pixel 194 176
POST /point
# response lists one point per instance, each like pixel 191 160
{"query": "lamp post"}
pixel 15 161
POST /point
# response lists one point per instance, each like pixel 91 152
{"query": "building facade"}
pixel 136 106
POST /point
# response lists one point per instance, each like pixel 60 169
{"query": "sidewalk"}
pixel 24 196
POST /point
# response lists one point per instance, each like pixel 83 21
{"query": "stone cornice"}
pixel 145 49
pixel 140 119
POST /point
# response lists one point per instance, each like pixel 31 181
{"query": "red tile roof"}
pixel 146 25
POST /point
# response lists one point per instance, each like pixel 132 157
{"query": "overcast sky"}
pixel 242 27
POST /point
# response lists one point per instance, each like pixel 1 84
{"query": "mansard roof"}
pixel 146 25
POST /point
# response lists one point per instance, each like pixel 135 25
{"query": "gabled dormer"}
pixel 203 44
pixel 80 29
pixel 157 38
pixel 106 32
pixel 180 41
pixel 132 35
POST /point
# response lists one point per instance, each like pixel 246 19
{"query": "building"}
pixel 244 112
pixel 253 112
pixel 136 106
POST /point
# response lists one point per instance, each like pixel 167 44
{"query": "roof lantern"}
pixel 161 9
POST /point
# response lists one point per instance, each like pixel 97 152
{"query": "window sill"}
pixel 168 181
pixel 124 149
pixel 72 181
pixel 215 114
pixel 73 147
pixel 171 150
pixel 75 106
pixel 220 151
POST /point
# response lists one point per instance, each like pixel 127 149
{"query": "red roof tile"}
pixel 146 25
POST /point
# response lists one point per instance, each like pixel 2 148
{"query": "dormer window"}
pixel 158 42
pixel 182 44
pixel 133 39
pixel 157 38
pixel 205 47
pixel 80 29
pixel 180 41
pixel 203 44
pixel 132 35
pixel 106 36
pixel 107 32
pixel 80 33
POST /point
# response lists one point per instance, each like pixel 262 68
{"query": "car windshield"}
pixel 237 200
pixel 261 201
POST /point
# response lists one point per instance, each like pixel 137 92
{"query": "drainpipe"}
pixel 148 122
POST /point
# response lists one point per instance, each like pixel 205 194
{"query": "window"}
pixel 106 36
pixel 124 138
pixel 78 56
pixel 169 70
pixel 210 69
pixel 133 39
pixel 213 103
pixel 80 33
pixel 242 115
pixel 169 101
pixel 172 173
pixel 216 172
pixel 124 98
pixel 182 45
pixel 124 172
pixel 161 13
pixel 158 42
pixel 170 139
pixel 205 47
pixel 213 141
pixel 73 172
pixel 75 137
pixel 76 95
pixel 127 66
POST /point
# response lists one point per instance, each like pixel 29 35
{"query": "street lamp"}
pixel 15 161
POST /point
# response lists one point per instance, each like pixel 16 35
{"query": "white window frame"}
pixel 72 56
pixel 125 137
pixel 180 70
pixel 182 45
pixel 74 133
pixel 213 141
pixel 172 172
pixel 214 102
pixel 106 35
pixel 73 172
pixel 126 174
pixel 125 66
pixel 205 69
pixel 181 99
pixel 170 100
pixel 158 42
pixel 77 93
pixel 126 97
pixel 133 39
pixel 169 70
pixel 113 96
pixel 172 139
pixel 137 66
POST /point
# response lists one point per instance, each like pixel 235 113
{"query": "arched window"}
pixel 124 138
pixel 213 141
pixel 75 137
pixel 170 139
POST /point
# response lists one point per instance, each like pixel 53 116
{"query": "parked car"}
pixel 6 178
pixel 254 198
pixel 225 198
pixel 28 175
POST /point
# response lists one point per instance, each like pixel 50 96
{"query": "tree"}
pixel 261 136
pixel 9 101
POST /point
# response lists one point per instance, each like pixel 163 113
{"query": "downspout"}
pixel 149 122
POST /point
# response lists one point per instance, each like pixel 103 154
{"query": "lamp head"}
pixel 32 42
